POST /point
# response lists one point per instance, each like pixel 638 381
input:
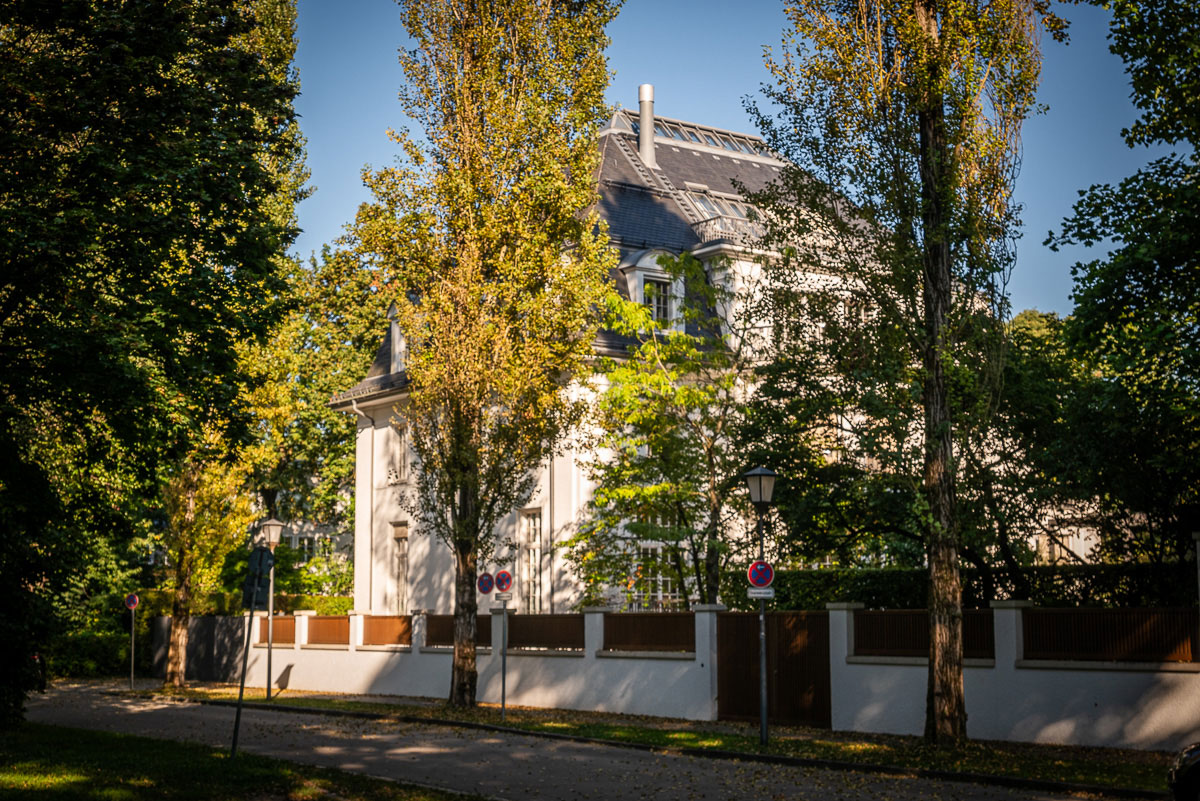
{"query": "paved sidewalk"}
pixel 496 765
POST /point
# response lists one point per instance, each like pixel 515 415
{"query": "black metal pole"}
pixel 270 627
pixel 503 659
pixel 132 641
pixel 762 650
pixel 237 718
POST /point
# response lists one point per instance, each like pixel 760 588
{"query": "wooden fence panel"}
pixel 905 632
pixel 1112 635
pixel 798 690
pixel 650 631
pixel 329 630
pixel 545 631
pixel 283 630
pixel 387 630
pixel 439 630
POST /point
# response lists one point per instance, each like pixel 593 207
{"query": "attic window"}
pixel 657 295
pixel 661 130
pixel 705 204
pixel 678 134
pixel 694 138
pixel 708 138
pixel 729 145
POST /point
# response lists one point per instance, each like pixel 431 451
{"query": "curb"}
pixel 1015 782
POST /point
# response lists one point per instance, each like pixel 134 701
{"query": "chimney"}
pixel 646 125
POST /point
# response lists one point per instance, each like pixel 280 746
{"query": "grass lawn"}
pixel 1105 767
pixel 47 763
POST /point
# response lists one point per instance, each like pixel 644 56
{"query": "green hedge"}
pixel 1126 586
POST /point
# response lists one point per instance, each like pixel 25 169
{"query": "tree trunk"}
pixel 181 611
pixel 463 676
pixel 945 710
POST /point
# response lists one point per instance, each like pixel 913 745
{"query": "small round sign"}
pixel 761 574
pixel 485 583
pixel 503 581
pixel 131 601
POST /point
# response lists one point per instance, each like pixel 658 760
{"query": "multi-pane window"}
pixel 657 295
pixel 400 595
pixel 532 546
pixel 654 588
pixel 397 458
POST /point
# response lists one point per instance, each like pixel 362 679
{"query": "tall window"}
pixel 657 295
pixel 655 589
pixel 530 563
pixel 397 458
pixel 400 536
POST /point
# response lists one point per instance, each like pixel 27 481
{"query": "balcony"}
pixel 728 229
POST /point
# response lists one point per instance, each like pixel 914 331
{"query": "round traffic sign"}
pixel 131 601
pixel 503 581
pixel 486 582
pixel 761 574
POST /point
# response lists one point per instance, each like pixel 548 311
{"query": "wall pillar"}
pixel 418 630
pixel 356 630
pixel 302 616
pixel 593 629
pixel 842 705
pixel 706 648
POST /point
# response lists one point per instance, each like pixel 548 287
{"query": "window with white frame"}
pixel 397 462
pixel 656 294
pixel 654 586
pixel 400 537
pixel 531 547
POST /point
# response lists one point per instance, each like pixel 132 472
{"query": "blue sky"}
pixel 704 57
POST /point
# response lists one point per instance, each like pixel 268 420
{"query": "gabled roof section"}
pixel 380 379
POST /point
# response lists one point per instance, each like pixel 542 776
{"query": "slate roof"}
pixel 644 208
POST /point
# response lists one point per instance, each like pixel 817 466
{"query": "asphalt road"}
pixel 497 765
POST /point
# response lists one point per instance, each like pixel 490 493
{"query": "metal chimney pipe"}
pixel 646 125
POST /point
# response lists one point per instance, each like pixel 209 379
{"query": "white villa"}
pixel 665 186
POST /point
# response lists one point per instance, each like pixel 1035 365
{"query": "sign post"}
pixel 760 575
pixel 131 603
pixel 503 584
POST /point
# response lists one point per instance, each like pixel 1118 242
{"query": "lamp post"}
pixel 761 483
pixel 272 531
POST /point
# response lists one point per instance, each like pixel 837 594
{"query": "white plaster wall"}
pixel 676 685
pixel 1078 703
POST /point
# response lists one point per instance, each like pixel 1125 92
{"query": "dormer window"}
pixel 653 287
pixel 656 294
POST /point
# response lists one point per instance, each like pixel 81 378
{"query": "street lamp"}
pixel 760 481
pixel 270 530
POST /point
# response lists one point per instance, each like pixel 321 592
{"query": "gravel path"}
pixel 497 765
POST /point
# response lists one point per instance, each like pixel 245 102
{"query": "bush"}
pixel 88 654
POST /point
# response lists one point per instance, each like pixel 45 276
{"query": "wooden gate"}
pixel 797 667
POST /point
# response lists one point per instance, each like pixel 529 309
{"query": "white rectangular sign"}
pixel 760 592
pixel 504 596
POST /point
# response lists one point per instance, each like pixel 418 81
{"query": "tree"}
pixel 902 122
pixel 208 512
pixel 497 263
pixel 138 247
pixel 1137 313
pixel 667 414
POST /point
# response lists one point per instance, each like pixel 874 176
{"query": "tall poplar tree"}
pixel 902 121
pixel 498 265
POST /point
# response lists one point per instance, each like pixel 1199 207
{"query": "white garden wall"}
pixel 1132 705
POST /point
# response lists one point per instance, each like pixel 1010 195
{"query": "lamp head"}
pixel 272 531
pixel 761 483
